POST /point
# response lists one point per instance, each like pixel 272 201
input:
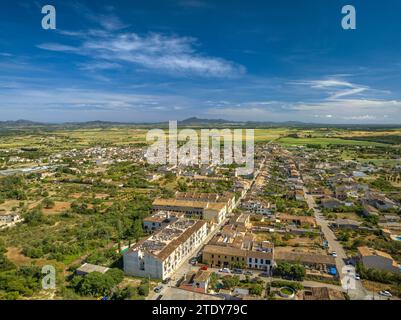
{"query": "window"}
pixel 256 260
pixel 250 259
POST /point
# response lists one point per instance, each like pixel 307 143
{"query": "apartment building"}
pixel 162 253
pixel 228 198
pixel 196 209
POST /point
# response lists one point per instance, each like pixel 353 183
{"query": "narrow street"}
pixel 359 293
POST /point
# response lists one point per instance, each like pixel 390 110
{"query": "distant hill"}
pixel 19 123
pixel 193 121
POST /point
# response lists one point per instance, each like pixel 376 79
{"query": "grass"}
pixel 325 142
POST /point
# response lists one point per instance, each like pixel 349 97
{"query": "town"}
pixel 317 219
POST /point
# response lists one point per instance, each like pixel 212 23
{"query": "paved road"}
pixel 359 293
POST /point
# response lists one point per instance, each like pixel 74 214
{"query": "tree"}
pixel 96 283
pixel 230 282
pixel 291 271
pixel 137 230
pixel 143 288
pixel 256 289
pixel 48 203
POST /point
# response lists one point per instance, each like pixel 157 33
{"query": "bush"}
pixel 96 283
pixel 293 285
pixel 143 289
pixel 256 289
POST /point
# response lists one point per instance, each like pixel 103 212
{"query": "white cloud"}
pixel 172 54
pixel 335 111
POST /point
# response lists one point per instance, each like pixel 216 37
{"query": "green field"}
pixel 326 141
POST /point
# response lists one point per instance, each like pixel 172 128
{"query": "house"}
pixel 376 259
pixel 201 280
pixel 379 201
pixel 9 219
pixel 346 224
pixel 239 250
pixel 299 195
pixel 240 292
pixel 368 210
pixel 298 220
pixel 331 203
pixel 311 260
pixel 158 220
pixel 87 268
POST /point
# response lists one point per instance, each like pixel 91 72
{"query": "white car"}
pixel 385 293
pixel 334 254
pixel 225 270
pixel 357 277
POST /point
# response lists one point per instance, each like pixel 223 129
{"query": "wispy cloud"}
pixel 177 55
pixel 172 54
pixel 109 20
pixel 193 4
pixel 335 87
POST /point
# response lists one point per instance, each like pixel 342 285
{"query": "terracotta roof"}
pixel 366 251
pixel 202 276
pixel 305 257
pixel 188 204
pixel 223 250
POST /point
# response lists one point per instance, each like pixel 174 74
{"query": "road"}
pixel 359 293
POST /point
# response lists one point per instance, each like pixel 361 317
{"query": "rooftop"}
pixel 305 257
pixel 164 242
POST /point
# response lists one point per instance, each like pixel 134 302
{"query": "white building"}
pixel 161 254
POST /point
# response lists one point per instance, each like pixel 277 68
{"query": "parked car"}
pixel 193 260
pixel 159 297
pixel 385 293
pixel 265 274
pixel 225 270
pixel 357 277
pixel 333 254
pixel 166 281
pixel 204 268
pixel 248 273
pixel 158 289
pixel 237 271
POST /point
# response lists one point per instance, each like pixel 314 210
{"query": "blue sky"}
pixel 152 60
